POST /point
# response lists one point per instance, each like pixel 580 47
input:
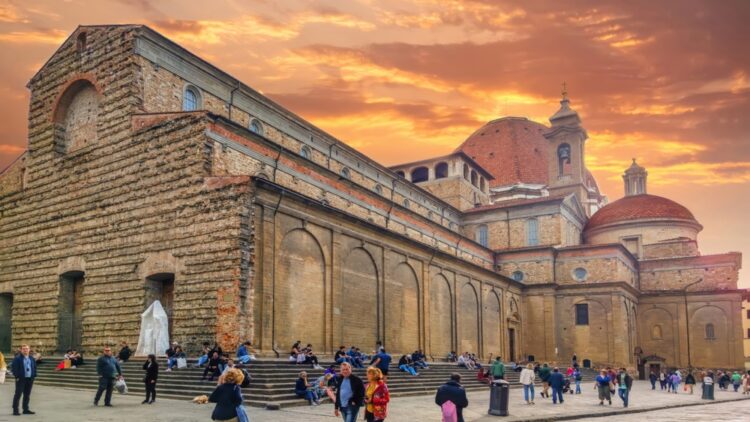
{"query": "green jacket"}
pixel 107 367
pixel 736 378
pixel 544 372
pixel 497 369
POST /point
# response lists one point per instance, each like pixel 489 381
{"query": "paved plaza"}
pixel 64 405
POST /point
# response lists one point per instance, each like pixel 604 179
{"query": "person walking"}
pixel 689 381
pixel 108 370
pixel 24 370
pixel 350 394
pixel 653 378
pixel 451 397
pixel 527 380
pixel 152 373
pixel 544 373
pixel 376 396
pixel 556 381
pixel 736 381
pixel 745 382
pixel 577 378
pixel 498 369
pixel 228 397
pixel 602 384
pixel 676 380
pixel 625 383
pixel 663 380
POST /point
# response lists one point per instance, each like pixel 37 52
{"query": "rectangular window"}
pixel 532 232
pixel 748 313
pixel 748 333
pixel 582 314
pixel 482 236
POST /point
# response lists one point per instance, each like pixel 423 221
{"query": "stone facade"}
pixel 247 222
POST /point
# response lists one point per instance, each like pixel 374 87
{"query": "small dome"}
pixel 640 207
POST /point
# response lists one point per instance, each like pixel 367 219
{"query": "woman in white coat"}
pixel 527 379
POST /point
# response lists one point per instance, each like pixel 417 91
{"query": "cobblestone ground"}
pixel 63 405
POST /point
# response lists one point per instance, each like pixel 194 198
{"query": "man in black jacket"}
pixel 453 391
pixel 24 370
pixel 350 393
pixel 624 384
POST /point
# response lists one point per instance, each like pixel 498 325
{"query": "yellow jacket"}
pixel 2 362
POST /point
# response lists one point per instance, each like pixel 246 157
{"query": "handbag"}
pixel 181 363
pixel 2 376
pixel 67 363
pixel 449 411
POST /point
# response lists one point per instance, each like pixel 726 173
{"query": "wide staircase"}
pixel 272 383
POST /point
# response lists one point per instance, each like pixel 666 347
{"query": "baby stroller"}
pixel 566 387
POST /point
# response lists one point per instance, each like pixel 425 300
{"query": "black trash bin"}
pixel 499 394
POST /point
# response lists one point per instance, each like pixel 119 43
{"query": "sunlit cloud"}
pixel 10 149
pixel 53 36
pixel 10 13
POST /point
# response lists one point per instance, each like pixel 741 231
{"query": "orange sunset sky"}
pixel 667 82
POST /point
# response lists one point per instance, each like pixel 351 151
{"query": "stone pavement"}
pixel 64 405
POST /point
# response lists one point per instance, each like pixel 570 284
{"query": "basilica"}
pixel 151 174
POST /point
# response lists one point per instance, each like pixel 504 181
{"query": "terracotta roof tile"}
pixel 639 207
pixel 512 149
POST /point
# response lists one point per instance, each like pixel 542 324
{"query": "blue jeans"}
pixel 578 386
pixel 557 393
pixel 202 360
pixel 309 395
pixel 243 359
pixel 357 363
pixel 623 393
pixel 653 384
pixel 171 362
pixel 528 392
pixel 407 368
pixel 675 387
pixel 344 359
pixel 349 413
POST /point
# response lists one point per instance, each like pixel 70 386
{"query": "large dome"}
pixel 640 208
pixel 512 149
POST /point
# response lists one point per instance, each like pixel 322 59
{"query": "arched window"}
pixel 532 232
pixel 474 178
pixel 256 126
pixel 441 170
pixel 466 171
pixel 345 173
pixel 378 189
pixel 481 235
pixel 710 331
pixel 406 203
pixel 656 332
pixel 76 116
pixel 481 184
pixel 563 159
pixel 81 42
pixel 305 152
pixel 191 99
pixel 419 174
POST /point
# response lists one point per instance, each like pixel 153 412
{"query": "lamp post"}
pixel 687 323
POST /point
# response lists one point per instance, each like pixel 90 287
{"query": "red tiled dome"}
pixel 512 149
pixel 639 207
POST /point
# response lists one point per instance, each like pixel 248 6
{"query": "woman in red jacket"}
pixel 376 396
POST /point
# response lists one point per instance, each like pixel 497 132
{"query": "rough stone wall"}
pixel 717 272
pixel 671 249
pixel 12 179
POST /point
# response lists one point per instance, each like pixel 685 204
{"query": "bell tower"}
pixel 567 138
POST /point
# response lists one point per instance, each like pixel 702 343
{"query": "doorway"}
pixel 160 287
pixel 512 344
pixel 6 323
pixel 70 311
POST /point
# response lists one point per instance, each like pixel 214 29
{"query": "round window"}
pixel 517 275
pixel 580 274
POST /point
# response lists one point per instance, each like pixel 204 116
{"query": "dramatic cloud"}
pixel 662 81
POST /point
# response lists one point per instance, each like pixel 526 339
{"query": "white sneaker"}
pixel 168 370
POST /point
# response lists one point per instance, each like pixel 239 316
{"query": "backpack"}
pixel 246 380
pixel 450 414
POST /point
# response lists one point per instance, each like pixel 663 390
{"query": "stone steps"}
pixel 271 386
